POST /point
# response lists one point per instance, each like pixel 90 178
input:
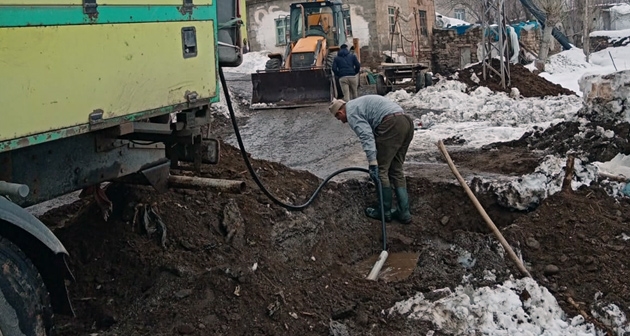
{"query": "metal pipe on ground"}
pixel 14 189
pixel 483 213
pixel 200 183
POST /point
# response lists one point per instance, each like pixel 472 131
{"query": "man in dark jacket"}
pixel 346 66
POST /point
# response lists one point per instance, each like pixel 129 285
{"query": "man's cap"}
pixel 344 46
pixel 336 105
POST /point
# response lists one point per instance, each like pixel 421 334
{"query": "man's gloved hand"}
pixel 373 168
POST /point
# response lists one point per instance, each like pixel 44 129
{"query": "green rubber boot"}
pixel 375 212
pixel 401 213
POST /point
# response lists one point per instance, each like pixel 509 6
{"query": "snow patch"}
pixel 526 192
pixel 252 61
pixel 504 309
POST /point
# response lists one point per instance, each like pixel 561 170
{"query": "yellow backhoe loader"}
pixel 302 76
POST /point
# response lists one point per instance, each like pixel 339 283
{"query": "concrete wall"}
pixel 407 42
pixel 261 25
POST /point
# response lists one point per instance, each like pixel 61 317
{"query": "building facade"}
pixel 400 29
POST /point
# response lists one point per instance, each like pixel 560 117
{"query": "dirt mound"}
pixel 528 83
pixel 295 272
pixel 596 141
pixel 574 244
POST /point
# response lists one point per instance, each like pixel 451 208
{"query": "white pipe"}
pixel 377 266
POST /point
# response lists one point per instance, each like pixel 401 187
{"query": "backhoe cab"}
pixel 303 76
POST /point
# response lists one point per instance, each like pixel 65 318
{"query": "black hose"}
pixel 291 207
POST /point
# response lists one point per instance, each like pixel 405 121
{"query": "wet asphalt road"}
pixel 307 138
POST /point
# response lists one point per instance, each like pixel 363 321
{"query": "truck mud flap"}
pixel 296 88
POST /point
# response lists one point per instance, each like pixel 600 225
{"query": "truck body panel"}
pixel 63 76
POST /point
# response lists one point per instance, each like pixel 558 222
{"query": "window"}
pixel 347 21
pixel 424 31
pixel 460 14
pixel 391 12
pixel 282 30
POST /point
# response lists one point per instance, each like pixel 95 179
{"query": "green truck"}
pixel 94 91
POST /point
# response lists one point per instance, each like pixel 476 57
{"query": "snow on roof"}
pixel 611 33
pixel 451 22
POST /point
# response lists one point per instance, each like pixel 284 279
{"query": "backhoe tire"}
pixel 273 64
pixel 381 88
pixel 24 301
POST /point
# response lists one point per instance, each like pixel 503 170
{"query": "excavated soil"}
pixel 288 273
pixel 528 83
pixel 234 263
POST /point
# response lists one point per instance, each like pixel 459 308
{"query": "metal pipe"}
pixel 200 182
pixel 14 189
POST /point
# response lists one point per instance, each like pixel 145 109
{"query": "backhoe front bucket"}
pixel 290 88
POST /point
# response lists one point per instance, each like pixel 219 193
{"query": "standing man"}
pixel 385 132
pixel 346 66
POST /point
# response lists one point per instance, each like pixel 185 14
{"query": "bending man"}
pixel 385 132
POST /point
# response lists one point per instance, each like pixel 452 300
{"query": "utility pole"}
pixel 586 41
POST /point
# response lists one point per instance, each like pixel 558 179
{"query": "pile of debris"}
pixel 521 78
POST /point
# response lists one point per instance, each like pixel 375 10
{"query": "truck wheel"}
pixel 381 87
pixel 420 82
pixel 273 64
pixel 24 301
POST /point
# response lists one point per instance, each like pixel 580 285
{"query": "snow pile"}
pixel 480 117
pixel 565 68
pixel 618 166
pixel 484 105
pixel 568 61
pixel 516 307
pixel 526 192
pixel 252 61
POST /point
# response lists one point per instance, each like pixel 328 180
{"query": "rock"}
pixel 233 223
pixel 551 270
pixel 533 243
pixel 338 329
pixel 183 293
pixel 592 268
pixel 185 329
pixel 563 258
pixel 445 220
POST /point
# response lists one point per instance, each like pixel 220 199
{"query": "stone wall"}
pixel 531 39
pixel 451 50
pixel 598 43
